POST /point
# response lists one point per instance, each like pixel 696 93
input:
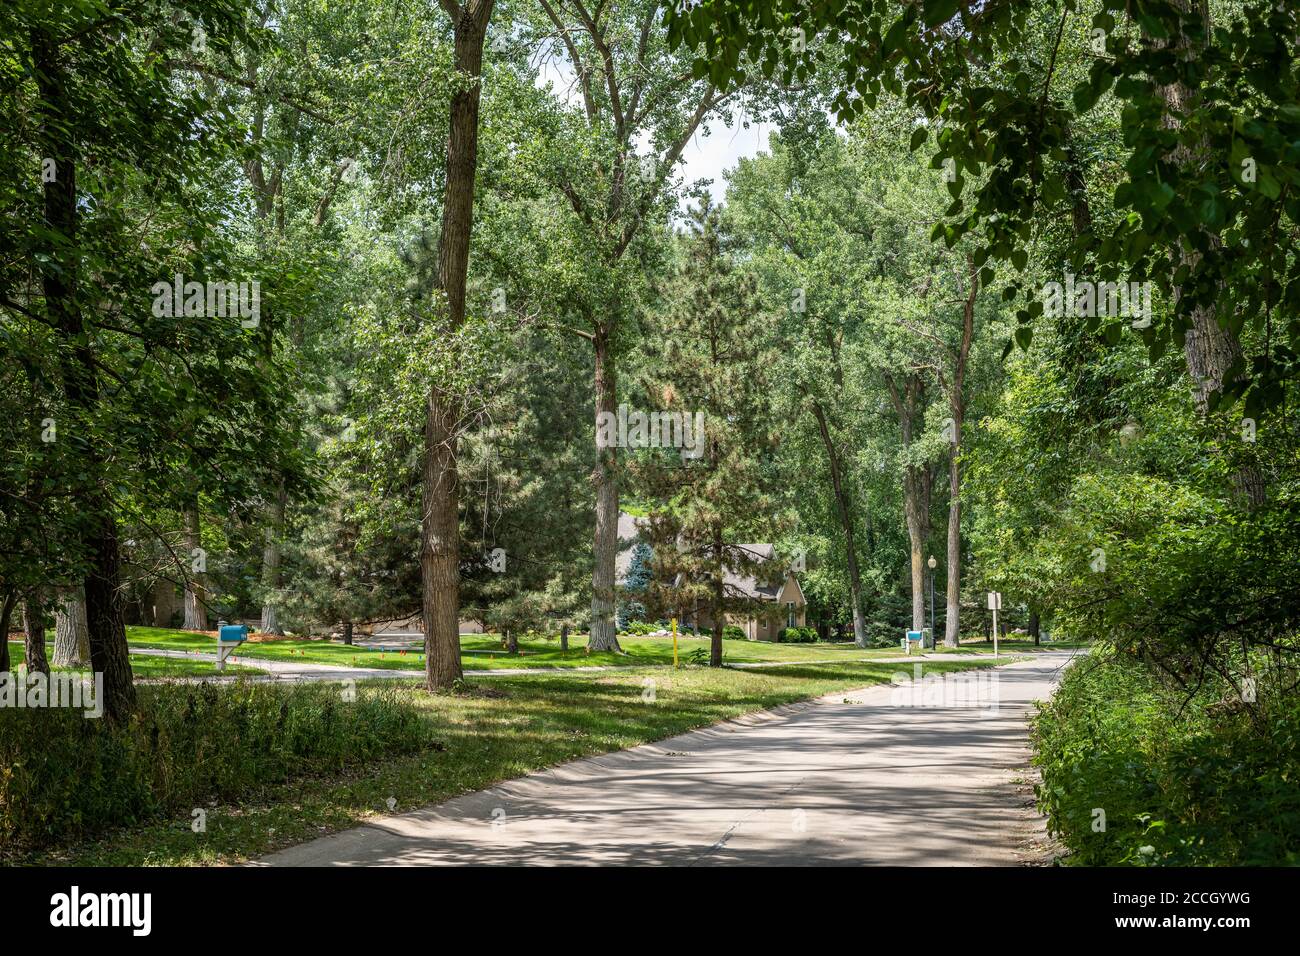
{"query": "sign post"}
pixel 995 605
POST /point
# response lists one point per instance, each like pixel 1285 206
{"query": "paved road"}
pixel 857 778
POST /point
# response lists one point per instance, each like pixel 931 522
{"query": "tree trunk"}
pixel 604 632
pixel 957 408
pixel 440 551
pixel 952 613
pixel 846 525
pixel 909 401
pixel 59 266
pixel 347 633
pixel 1210 349
pixel 440 526
pixel 34 639
pixel 71 639
pixel 718 609
pixel 270 566
pixel 512 641
pixel 564 636
pixel 6 614
pixel 1033 627
pixel 195 618
pixel 109 654
pixel 916 535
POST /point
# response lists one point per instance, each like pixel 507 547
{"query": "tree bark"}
pixel 71 639
pixel 846 525
pixel 440 526
pixel 59 268
pixel 440 551
pixel 195 618
pixel 512 641
pixel 347 633
pixel 6 614
pixel 718 611
pixel 564 636
pixel 34 637
pixel 957 408
pixel 604 632
pixel 909 400
pixel 1210 349
pixel 270 566
pixel 1034 627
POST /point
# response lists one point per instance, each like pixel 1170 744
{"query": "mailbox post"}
pixel 229 637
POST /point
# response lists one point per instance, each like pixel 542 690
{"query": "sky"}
pixel 706 156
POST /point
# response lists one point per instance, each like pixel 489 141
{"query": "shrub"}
pixel 799 635
pixel 63 776
pixel 1188 782
pixel 641 628
pixel 733 632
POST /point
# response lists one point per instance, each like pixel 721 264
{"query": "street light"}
pixel 933 564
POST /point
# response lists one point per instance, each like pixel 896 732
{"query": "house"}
pixel 778 590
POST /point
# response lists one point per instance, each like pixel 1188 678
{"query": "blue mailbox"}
pixel 233 633
pixel 229 636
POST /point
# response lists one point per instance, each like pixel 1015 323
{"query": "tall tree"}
pixel 612 166
pixel 715 490
pixel 440 524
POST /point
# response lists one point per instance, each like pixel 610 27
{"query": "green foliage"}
pixel 1183 780
pixel 63 776
pixel 1223 90
pixel 799 635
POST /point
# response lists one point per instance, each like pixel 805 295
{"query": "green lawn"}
pixel 148 666
pixel 484 651
pixel 515 725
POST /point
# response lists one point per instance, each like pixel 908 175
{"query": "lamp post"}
pixel 933 564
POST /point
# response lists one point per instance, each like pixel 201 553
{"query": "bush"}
pixel 799 635
pixel 1182 782
pixel 733 632
pixel 63 776
pixel 641 628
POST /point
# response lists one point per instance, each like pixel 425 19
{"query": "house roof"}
pixel 629 532
pixel 736 583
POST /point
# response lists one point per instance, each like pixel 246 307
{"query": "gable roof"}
pixel 744 584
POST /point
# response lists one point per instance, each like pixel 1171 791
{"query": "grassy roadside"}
pixel 152 667
pixel 1014 646
pixel 489 733
pixel 484 651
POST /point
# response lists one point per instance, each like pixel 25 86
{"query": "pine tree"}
pixel 711 360
pixel 635 583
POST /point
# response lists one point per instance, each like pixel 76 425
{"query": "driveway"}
pixel 931 775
